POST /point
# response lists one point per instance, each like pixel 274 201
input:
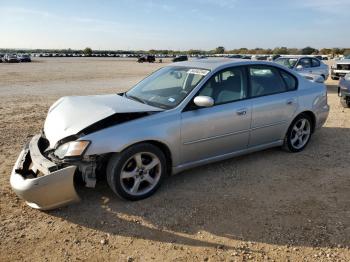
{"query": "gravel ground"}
pixel 269 205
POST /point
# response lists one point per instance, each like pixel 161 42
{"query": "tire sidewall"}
pixel 117 161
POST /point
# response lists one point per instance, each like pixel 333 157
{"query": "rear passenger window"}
pixel 315 63
pixel 290 80
pixel 305 62
pixel 265 80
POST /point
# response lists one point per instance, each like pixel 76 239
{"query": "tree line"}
pixel 219 50
pixel 284 51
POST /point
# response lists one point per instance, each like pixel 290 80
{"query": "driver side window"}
pixel 226 86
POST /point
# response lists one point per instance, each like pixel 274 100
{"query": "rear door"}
pixel 222 128
pixel 274 101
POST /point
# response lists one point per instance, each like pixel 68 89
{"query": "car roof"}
pixel 215 63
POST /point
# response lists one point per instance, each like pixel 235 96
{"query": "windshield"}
pixel 347 57
pixel 167 87
pixel 288 62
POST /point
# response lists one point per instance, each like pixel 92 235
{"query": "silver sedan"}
pixel 305 65
pixel 184 115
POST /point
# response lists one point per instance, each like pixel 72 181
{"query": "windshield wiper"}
pixel 136 99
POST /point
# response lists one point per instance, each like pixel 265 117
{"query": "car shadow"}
pixel 269 197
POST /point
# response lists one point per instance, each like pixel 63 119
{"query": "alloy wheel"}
pixel 140 173
pixel 300 133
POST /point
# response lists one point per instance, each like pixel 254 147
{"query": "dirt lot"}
pixel 269 205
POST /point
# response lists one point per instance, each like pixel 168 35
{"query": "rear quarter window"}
pixel 265 80
pixel 315 63
pixel 290 80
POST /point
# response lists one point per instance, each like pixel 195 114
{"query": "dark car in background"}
pixel 274 57
pixel 180 58
pixel 344 90
pixel 146 58
pixel 11 58
pixel 24 58
pixel 248 57
pixel 1 58
pixel 235 56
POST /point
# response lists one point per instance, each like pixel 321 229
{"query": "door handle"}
pixel 290 101
pixel 241 112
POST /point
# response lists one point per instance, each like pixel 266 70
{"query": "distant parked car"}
pixel 340 68
pixel 344 90
pixel 248 57
pixel 260 57
pixel 305 65
pixel 11 58
pixel 147 58
pixel 24 58
pixel 180 58
pixel 274 57
pixel 235 56
pixel 1 58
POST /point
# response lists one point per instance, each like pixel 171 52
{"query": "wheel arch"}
pixel 162 146
pixel 312 117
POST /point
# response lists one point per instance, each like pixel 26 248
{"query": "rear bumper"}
pixel 322 115
pixel 53 189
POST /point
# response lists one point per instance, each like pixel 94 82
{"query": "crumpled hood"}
pixel 69 115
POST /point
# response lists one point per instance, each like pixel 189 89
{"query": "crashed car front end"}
pixel 42 183
pixel 47 168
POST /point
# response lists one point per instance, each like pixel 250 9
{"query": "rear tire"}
pixel 137 172
pixel 298 134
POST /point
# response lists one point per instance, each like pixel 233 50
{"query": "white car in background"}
pixel 305 65
pixel 340 68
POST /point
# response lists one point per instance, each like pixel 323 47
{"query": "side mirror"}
pixel 299 67
pixel 203 101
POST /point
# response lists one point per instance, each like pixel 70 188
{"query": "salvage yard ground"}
pixel 269 205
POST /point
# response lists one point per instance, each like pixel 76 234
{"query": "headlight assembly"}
pixel 74 148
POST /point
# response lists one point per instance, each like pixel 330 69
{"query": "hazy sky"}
pixel 175 24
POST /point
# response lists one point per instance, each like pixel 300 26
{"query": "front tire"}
pixel 137 172
pixel 298 134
